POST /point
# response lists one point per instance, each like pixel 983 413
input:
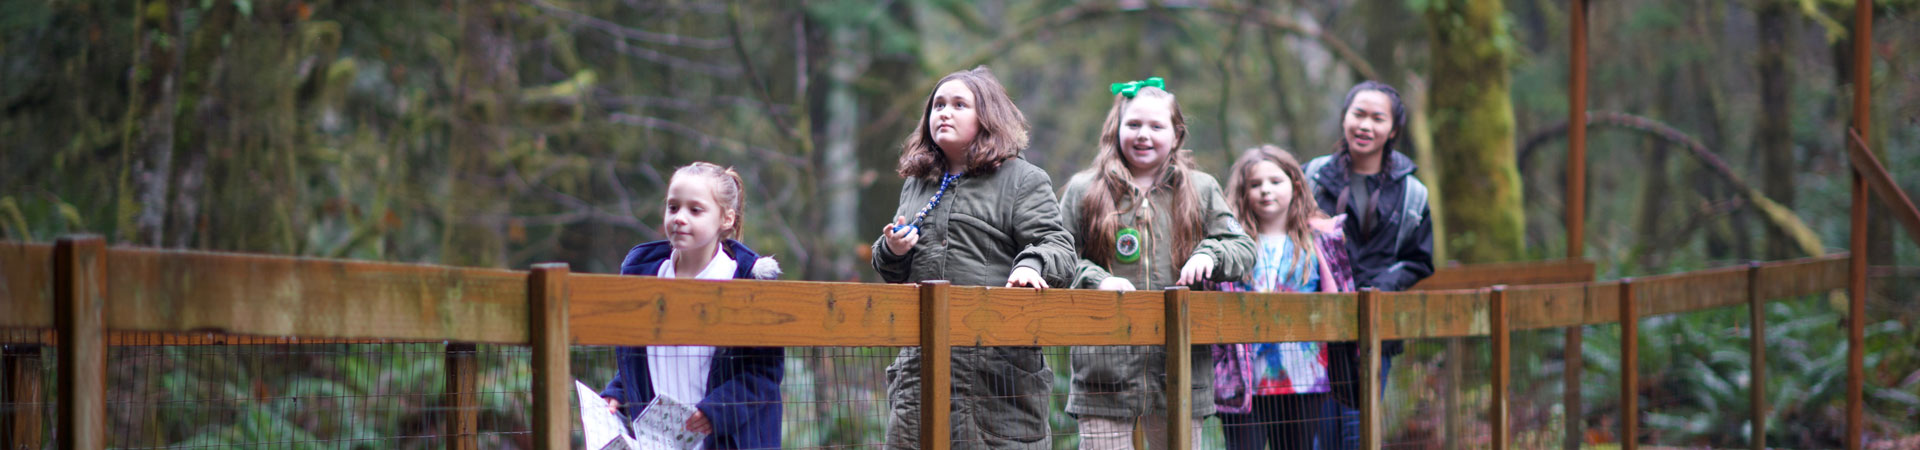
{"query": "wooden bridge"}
pixel 86 297
pixel 90 296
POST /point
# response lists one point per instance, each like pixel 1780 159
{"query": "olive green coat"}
pixel 1128 381
pixel 983 228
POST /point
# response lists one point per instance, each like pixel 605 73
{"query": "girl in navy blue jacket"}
pixel 735 390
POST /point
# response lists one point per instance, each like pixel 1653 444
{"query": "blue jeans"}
pixel 1347 430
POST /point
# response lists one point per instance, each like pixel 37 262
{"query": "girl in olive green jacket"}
pixel 1142 218
pixel 974 213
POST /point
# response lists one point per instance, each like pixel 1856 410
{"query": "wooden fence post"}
pixel 552 378
pixel 1368 321
pixel 1179 370
pixel 1857 268
pixel 24 391
pixel 1502 365
pixel 79 299
pixel 1757 387
pixel 462 400
pixel 1574 413
pixel 1576 213
pixel 936 366
pixel 1629 368
pixel 1453 376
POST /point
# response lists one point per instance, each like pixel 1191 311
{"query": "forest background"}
pixel 503 133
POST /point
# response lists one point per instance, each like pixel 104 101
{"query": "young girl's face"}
pixel 953 117
pixel 1146 132
pixel 1272 193
pixel 1368 122
pixel 694 217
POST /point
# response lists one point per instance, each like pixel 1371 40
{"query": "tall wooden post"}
pixel 936 366
pixel 552 378
pixel 79 302
pixel 1502 366
pixel 1857 275
pixel 1368 322
pixel 1757 337
pixel 1179 371
pixel 1576 213
pixel 1574 419
pixel 1577 132
pixel 1629 368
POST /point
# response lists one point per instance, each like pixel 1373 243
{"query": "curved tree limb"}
pixel 1023 34
pixel 1777 215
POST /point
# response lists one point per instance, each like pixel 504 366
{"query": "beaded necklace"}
pixel 946 180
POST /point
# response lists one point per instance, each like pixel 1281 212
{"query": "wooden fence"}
pixel 90 295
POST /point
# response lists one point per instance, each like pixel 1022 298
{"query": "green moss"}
pixel 1473 131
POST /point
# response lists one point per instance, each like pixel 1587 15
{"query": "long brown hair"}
pixel 1112 184
pixel 1003 130
pixel 1298 212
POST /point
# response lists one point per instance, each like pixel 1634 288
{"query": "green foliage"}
pixel 1696 374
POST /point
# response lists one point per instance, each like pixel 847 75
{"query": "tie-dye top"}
pixel 1285 367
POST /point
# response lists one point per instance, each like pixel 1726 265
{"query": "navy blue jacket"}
pixel 743 384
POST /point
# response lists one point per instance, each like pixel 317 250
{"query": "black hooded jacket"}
pixel 1381 259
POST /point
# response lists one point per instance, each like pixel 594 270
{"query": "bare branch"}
pixel 1085 11
pixel 626 32
pixel 705 140
pixel 759 84
pixel 1780 217
pixel 607 97
pixel 715 70
pixel 619 190
pixel 780 224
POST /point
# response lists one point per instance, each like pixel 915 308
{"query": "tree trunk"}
pixel 1472 118
pixel 889 76
pixel 156 91
pixel 1775 140
pixel 474 215
pixel 842 112
pixel 1655 198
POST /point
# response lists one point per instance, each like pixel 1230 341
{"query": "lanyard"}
pixel 946 180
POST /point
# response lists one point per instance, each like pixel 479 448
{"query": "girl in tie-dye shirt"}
pixel 1270 394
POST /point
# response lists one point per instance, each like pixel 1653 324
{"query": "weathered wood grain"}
pixel 166 290
pixel 26 285
pixel 625 310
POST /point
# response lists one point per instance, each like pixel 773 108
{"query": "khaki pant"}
pixel 1116 433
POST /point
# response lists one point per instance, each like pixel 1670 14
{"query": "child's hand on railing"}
pixel 1026 277
pixel 1196 270
pixel 613 405
pixel 1116 284
pixel 899 237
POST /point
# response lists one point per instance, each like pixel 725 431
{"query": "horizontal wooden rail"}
pixel 169 339
pixel 1889 192
pixel 1475 276
pixel 26 285
pixel 183 291
pixel 164 297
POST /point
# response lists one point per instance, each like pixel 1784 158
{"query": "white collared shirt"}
pixel 680 372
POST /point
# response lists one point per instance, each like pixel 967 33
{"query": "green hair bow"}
pixel 1133 87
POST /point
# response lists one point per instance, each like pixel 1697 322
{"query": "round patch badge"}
pixel 1127 245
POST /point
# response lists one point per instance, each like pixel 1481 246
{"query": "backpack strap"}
pixel 1313 169
pixel 1415 202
